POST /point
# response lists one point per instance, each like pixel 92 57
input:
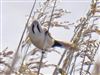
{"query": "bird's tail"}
pixel 64 44
pixel 57 44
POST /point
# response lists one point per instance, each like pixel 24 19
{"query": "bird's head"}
pixel 36 26
pixel 35 23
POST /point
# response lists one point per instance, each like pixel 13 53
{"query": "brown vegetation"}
pixel 69 63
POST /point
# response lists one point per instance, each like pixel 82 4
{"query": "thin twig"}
pixel 42 55
pixel 82 65
pixel 51 15
pixel 15 56
pixel 45 38
pixel 24 56
pixel 75 40
pixel 55 71
pixel 93 57
pixel 73 64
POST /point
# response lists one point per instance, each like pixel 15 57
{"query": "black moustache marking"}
pixel 33 28
pixel 38 28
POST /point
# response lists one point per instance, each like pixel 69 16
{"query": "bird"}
pixel 42 39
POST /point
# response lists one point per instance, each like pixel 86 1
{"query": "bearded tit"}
pixel 41 40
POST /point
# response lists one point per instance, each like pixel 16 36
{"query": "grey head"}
pixel 36 24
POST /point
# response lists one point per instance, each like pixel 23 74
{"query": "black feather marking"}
pixel 33 28
pixel 38 28
pixel 57 44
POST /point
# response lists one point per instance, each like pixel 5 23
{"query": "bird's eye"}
pixel 33 28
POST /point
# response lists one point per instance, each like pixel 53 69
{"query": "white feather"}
pixel 39 39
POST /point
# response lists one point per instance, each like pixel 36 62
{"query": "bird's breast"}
pixel 40 40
